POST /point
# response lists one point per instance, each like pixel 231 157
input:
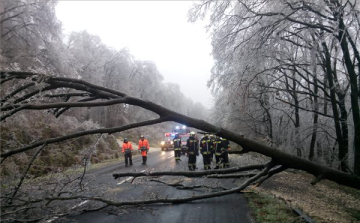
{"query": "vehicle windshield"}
pixel 168 139
pixel 184 138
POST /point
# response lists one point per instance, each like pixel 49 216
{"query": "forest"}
pixel 286 77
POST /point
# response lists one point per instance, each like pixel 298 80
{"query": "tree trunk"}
pixel 315 106
pixel 328 71
pixel 314 134
pixel 297 121
pixel 354 93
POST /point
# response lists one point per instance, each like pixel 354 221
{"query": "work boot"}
pixel 125 164
pixel 130 164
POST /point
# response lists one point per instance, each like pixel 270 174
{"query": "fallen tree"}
pixel 96 96
pixel 57 94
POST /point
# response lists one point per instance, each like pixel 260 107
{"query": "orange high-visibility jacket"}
pixel 144 143
pixel 126 146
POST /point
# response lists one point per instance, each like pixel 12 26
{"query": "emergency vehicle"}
pixel 167 142
pixel 184 134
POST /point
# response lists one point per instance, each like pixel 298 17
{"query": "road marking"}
pixel 51 219
pixel 127 179
pixel 170 156
pixel 82 203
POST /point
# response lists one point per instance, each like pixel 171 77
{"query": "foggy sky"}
pixel 151 30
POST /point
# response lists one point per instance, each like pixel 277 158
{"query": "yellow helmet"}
pixel 192 133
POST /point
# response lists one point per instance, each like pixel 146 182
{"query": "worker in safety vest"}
pixel 177 147
pixel 206 146
pixel 144 148
pixel 217 150
pixel 193 150
pixel 127 150
pixel 225 147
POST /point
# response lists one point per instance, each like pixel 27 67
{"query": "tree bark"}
pixel 339 136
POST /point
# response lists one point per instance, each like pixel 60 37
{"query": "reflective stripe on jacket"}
pixel 177 143
pixel 225 145
pixel 217 146
pixel 193 146
pixel 206 146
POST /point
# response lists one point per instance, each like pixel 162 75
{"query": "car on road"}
pixel 167 143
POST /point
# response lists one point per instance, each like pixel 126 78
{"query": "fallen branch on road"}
pixel 178 185
pixel 240 175
pixel 188 173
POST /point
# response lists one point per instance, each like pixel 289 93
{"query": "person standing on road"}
pixel 225 147
pixel 127 150
pixel 193 150
pixel 205 149
pixel 144 148
pixel 177 147
pixel 217 150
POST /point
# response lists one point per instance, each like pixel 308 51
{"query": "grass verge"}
pixel 266 208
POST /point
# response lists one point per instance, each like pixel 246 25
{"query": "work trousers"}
pixel 206 160
pixel 177 152
pixel 225 156
pixel 212 155
pixel 219 161
pixel 128 157
pixel 192 162
pixel 144 158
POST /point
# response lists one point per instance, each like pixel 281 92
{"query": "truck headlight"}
pixel 172 142
pixel 162 143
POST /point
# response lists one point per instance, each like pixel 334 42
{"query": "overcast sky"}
pixel 151 30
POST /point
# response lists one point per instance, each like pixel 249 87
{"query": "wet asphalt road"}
pixel 227 209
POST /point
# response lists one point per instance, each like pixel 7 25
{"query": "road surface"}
pixel 227 209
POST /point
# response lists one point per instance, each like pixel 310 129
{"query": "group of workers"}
pixel 208 146
pixel 127 150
